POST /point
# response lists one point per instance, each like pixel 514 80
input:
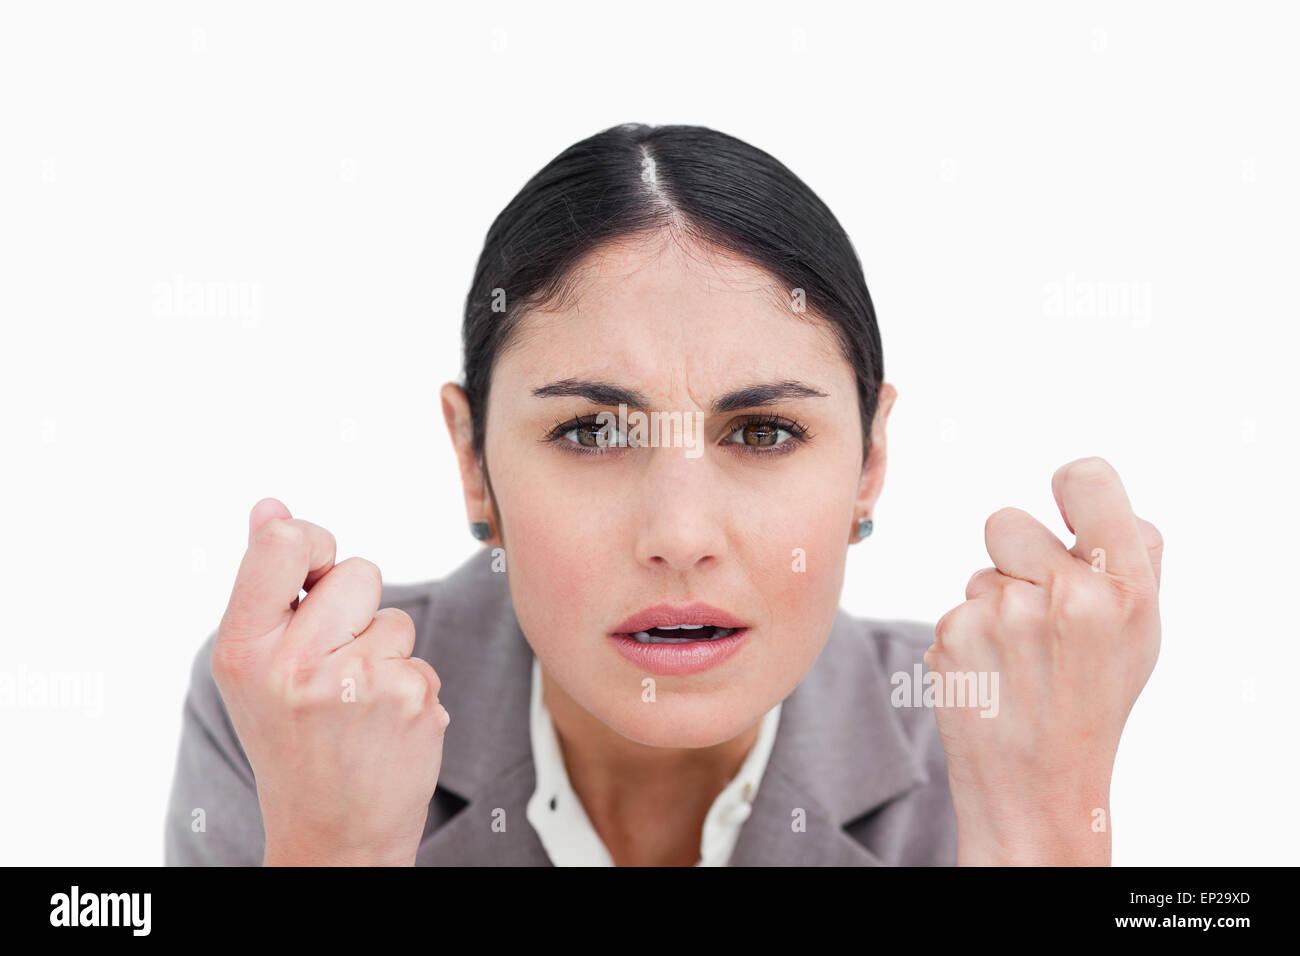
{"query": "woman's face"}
pixel 751 520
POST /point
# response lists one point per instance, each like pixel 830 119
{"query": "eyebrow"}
pixel 751 396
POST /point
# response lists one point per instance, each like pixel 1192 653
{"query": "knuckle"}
pixel 412 689
pixel 280 534
pixel 1152 534
pixel 431 675
pixel 947 628
pixel 977 580
pixel 392 630
pixel 311 528
pixel 399 620
pixel 280 678
pixel 1017 608
pixel 1077 600
pixel 942 628
pixel 1135 595
pixel 360 669
pixel 316 536
pixel 292 680
pixel 363 571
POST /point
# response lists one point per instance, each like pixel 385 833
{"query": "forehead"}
pixel 644 310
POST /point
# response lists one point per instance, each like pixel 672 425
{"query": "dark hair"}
pixel 634 179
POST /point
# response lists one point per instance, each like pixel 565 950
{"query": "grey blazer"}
pixel 870 778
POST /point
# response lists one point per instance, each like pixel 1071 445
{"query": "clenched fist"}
pixel 1069 638
pixel 342 727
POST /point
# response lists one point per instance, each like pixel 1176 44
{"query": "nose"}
pixel 682 526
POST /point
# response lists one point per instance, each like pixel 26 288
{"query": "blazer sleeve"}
pixel 213 815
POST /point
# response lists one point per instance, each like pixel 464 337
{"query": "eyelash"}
pixel 799 435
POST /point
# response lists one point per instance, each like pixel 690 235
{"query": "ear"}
pixel 873 469
pixel 473 479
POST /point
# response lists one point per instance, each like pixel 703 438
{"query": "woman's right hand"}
pixel 342 727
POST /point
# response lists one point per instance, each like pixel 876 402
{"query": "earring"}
pixel 864 528
pixel 482 530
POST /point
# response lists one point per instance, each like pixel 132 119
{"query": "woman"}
pixel 672 425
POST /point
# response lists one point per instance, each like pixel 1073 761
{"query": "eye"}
pixel 586 435
pixel 590 434
pixel 766 432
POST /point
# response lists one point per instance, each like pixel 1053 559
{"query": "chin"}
pixel 685 721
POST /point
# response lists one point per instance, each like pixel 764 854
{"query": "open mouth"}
pixel 676 640
pixel 681 634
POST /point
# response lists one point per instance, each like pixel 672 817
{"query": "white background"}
pixel 235 244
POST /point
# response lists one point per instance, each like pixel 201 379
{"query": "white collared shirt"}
pixel 562 824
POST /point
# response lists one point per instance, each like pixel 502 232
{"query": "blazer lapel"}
pixel 840 752
pixel 492 829
pixel 473 640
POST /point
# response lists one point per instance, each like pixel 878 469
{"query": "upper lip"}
pixel 667 614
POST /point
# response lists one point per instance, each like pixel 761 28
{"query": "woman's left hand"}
pixel 1066 639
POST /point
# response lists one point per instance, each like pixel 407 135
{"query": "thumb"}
pixel 264 511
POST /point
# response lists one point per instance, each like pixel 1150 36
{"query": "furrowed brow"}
pixel 751 396
pixel 598 393
pixel 755 396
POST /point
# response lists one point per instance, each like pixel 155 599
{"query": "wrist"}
pixel 290 852
pixel 1031 846
pixel 1049 832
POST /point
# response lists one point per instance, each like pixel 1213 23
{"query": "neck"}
pixel 625 786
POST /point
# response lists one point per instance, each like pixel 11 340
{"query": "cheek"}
pixel 797 567
pixel 794 549
pixel 554 554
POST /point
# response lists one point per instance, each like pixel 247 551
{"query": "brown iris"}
pixel 761 434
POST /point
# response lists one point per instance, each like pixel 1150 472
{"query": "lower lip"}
pixel 673 659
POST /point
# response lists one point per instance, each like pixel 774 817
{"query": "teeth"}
pixel 645 637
